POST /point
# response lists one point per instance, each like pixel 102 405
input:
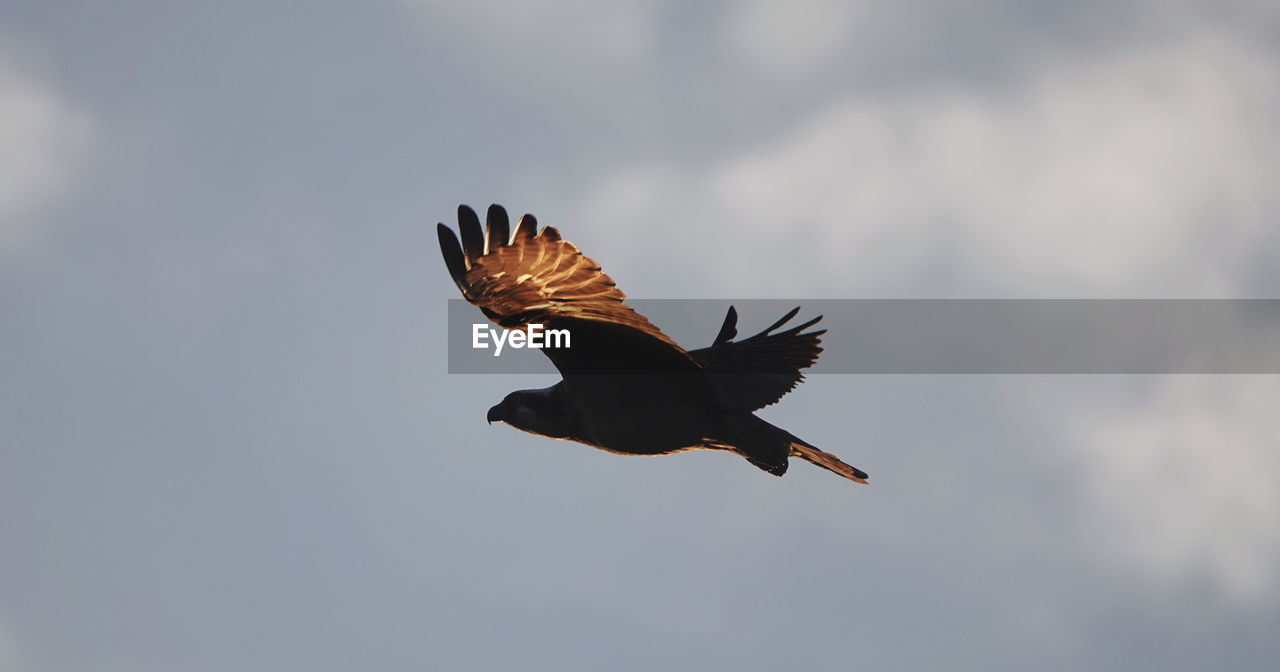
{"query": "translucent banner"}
pixel 927 336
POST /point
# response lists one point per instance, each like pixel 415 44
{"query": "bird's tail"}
pixel 768 447
pixel 826 460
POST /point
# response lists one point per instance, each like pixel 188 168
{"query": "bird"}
pixel 626 387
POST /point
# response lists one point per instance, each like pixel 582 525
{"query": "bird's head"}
pixel 520 409
pixel 537 411
pixel 500 412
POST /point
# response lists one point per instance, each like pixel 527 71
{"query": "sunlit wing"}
pixel 520 276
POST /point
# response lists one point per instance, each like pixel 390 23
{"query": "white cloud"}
pixel 1148 173
pixel 42 141
pixel 783 41
pixel 1180 487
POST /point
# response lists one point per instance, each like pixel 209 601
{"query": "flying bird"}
pixel 627 388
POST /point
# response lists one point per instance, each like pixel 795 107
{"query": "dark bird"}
pixel 627 388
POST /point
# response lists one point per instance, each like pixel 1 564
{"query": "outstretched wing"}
pixel 757 371
pixel 520 276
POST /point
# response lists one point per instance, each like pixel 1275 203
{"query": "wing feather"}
pixel 497 228
pixel 454 259
pixel 472 235
pixel 526 228
pixel 757 371
pixel 729 329
pixel 538 277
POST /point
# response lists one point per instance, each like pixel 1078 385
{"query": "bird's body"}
pixel 627 387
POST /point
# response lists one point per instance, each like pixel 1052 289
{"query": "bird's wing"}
pixel 520 276
pixel 757 371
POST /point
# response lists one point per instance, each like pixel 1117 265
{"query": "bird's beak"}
pixel 495 413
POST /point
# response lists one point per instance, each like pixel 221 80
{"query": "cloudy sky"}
pixel 228 441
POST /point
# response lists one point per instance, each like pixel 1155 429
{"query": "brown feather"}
pixel 537 277
pixel 497 228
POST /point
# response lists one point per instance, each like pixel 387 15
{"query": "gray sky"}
pixel 227 439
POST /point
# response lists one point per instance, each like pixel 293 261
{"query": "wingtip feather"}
pixel 727 330
pixel 497 228
pixel 526 228
pixel 454 259
pixel 472 234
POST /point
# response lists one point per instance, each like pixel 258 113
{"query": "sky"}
pixel 228 439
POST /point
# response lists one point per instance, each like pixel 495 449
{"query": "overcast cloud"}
pixel 42 144
pixel 228 441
